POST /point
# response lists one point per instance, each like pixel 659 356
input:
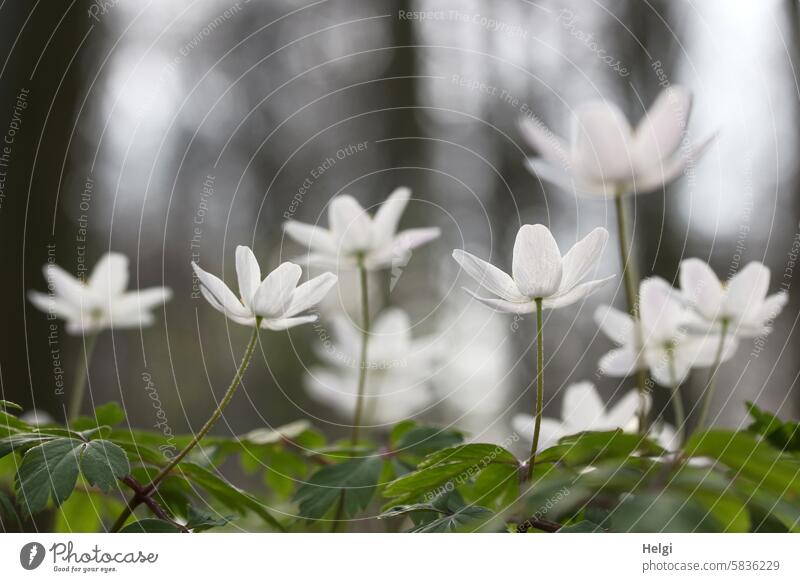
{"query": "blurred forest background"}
pixel 174 131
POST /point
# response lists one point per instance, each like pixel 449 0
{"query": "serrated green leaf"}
pixel 354 479
pixel 21 441
pixel 109 414
pixel 424 440
pixel 102 463
pixel 463 519
pixel 49 469
pixel 150 526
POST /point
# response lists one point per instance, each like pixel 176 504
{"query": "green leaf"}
pixel 103 463
pixel 665 512
pixel 263 436
pixel 20 441
pixel 354 479
pixel 283 471
pixel 49 469
pixel 462 519
pixel 746 456
pixel 9 519
pixel 226 493
pixel 714 493
pixel 448 469
pixel 110 414
pixel 150 526
pixel 201 520
pixel 783 435
pixel 423 440
pixel 587 448
pixel 84 510
pixel 8 404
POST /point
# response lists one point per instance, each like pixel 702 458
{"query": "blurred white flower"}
pixel 581 410
pixel 606 157
pixel 667 349
pixel 741 304
pixel 102 301
pixel 354 238
pixel 278 300
pixel 398 369
pixel 539 271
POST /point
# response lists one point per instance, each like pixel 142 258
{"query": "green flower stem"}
pixel 677 403
pixel 362 369
pixel 631 280
pixel 81 374
pixel 539 387
pixel 215 416
pixel 708 393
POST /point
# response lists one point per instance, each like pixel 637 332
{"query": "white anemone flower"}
pixel 606 157
pixel 667 349
pixel 741 304
pixel 390 344
pixel 277 300
pixel 356 239
pixel 539 272
pixel 581 410
pixel 102 302
pixel 398 369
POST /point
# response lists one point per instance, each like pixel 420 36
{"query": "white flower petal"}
pixel 398 252
pixel 219 295
pixel 273 296
pixel 110 276
pixel 536 265
pixel 701 288
pixel 582 408
pixel 490 277
pixel 619 363
pixel 601 145
pixel 388 215
pixel 350 224
pixel 54 304
pixel 66 286
pixel 310 293
pixel 568 181
pixel 662 313
pixel 747 290
pixel 505 306
pixel 548 145
pixel 616 324
pixel 623 411
pixel 311 237
pixel 660 131
pixel 286 323
pixel 668 170
pixel 581 258
pixel 248 274
pixel 139 301
pixel 575 294
pixel 771 307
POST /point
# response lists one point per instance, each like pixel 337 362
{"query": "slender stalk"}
pixel 81 374
pixel 631 280
pixel 362 364
pixel 677 402
pixel 539 387
pixel 708 392
pixel 237 379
